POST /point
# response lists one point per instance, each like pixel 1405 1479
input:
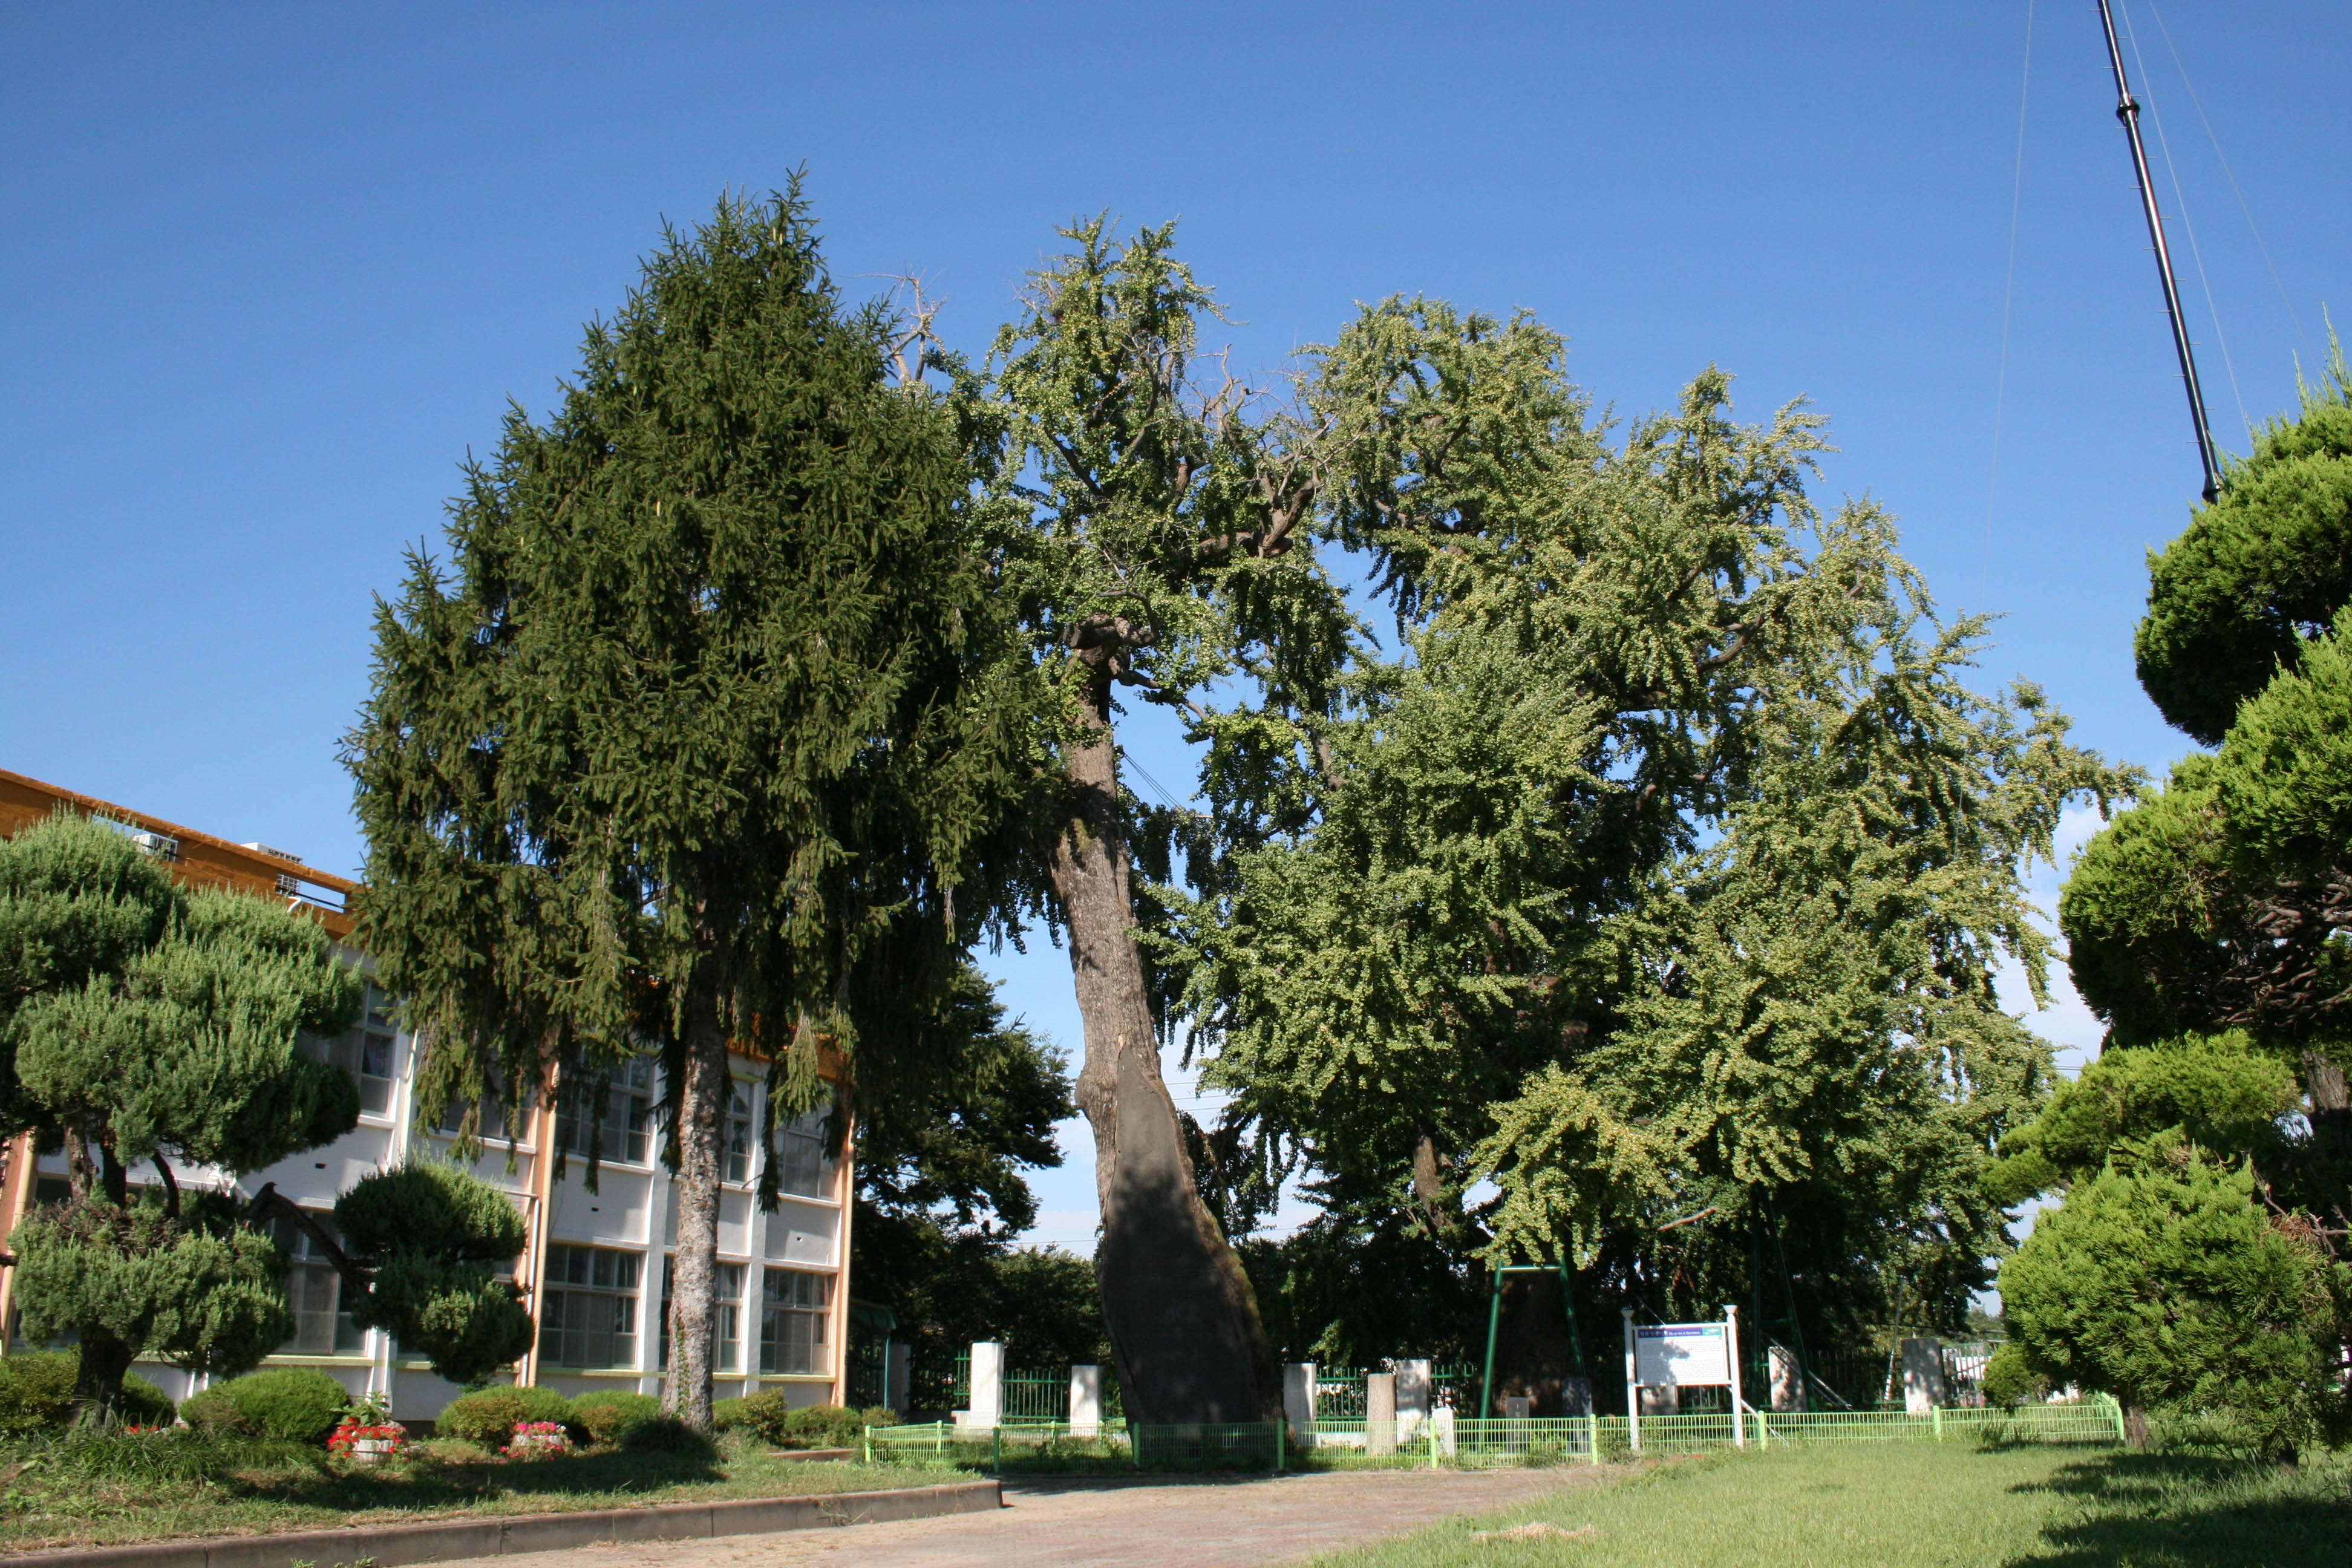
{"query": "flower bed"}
pixel 366 1442
pixel 539 1440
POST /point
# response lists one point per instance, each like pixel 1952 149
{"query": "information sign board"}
pixel 1682 1355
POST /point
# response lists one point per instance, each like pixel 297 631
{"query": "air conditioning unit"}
pixel 160 846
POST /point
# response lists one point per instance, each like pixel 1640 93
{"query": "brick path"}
pixel 1158 1524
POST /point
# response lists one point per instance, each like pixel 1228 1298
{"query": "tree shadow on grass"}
pixel 457 1484
pixel 2188 1511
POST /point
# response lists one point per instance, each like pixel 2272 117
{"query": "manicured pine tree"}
pixel 145 1023
pixel 681 750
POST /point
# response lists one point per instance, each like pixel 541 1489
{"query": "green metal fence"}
pixel 1035 1396
pixel 1050 1446
pixel 1462 1444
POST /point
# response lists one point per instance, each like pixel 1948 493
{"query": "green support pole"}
pixel 1575 1332
pixel 1494 1324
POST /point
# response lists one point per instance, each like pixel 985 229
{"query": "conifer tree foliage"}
pixel 2207 1158
pixel 2183 1268
pixel 141 1022
pixel 1147 532
pixel 1665 873
pixel 678 749
pixel 2260 570
pixel 2222 901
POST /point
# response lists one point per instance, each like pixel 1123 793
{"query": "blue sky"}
pixel 271 271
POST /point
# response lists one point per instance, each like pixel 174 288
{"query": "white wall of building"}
pixel 632 1214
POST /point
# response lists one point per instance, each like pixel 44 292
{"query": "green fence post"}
pixel 1281 1430
pixel 2116 1409
pixel 1936 1412
pixel 1593 1437
pixel 867 1455
pixel 1433 1444
pixel 996 1449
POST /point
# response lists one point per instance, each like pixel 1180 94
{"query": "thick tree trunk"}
pixel 98 1385
pixel 1184 1321
pixel 2331 1105
pixel 702 1108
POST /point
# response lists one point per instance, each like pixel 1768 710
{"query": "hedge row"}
pixel 303 1405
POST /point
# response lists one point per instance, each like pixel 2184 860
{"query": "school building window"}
pixel 727 1327
pixel 628 1117
pixel 364 1050
pixel 314 1289
pixel 794 1310
pixel 589 1316
pixel 806 1163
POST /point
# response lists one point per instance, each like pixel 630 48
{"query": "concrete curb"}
pixel 444 1541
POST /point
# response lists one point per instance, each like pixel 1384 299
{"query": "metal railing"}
pixel 1035 1396
pixel 1440 1443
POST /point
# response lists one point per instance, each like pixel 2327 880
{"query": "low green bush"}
pixel 2009 1380
pixel 821 1427
pixel 771 1419
pixel 610 1415
pixel 489 1418
pixel 37 1394
pixel 668 1434
pixel 294 1405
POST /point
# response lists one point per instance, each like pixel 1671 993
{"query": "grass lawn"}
pixel 1914 1505
pixel 46 1504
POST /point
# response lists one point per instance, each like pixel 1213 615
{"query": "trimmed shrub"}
pixel 820 1426
pixel 767 1418
pixel 2009 1380
pixel 668 1434
pixel 37 1394
pixel 36 1391
pixel 609 1416
pixel 489 1418
pixel 295 1404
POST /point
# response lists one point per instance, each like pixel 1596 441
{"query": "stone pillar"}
pixel 1923 1375
pixel 900 1394
pixel 1787 1379
pixel 1412 1398
pixel 987 1384
pixel 1441 1421
pixel 1379 1412
pixel 1085 1401
pixel 1298 1401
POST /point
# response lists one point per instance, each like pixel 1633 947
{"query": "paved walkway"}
pixel 1147 1524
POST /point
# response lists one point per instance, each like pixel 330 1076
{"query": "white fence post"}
pixel 1413 1397
pixel 1379 1412
pixel 1085 1401
pixel 1299 1399
pixel 987 1383
pixel 1923 1375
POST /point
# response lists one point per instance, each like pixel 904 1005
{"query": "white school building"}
pixel 596 1269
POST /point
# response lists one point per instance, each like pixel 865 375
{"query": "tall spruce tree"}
pixel 679 752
